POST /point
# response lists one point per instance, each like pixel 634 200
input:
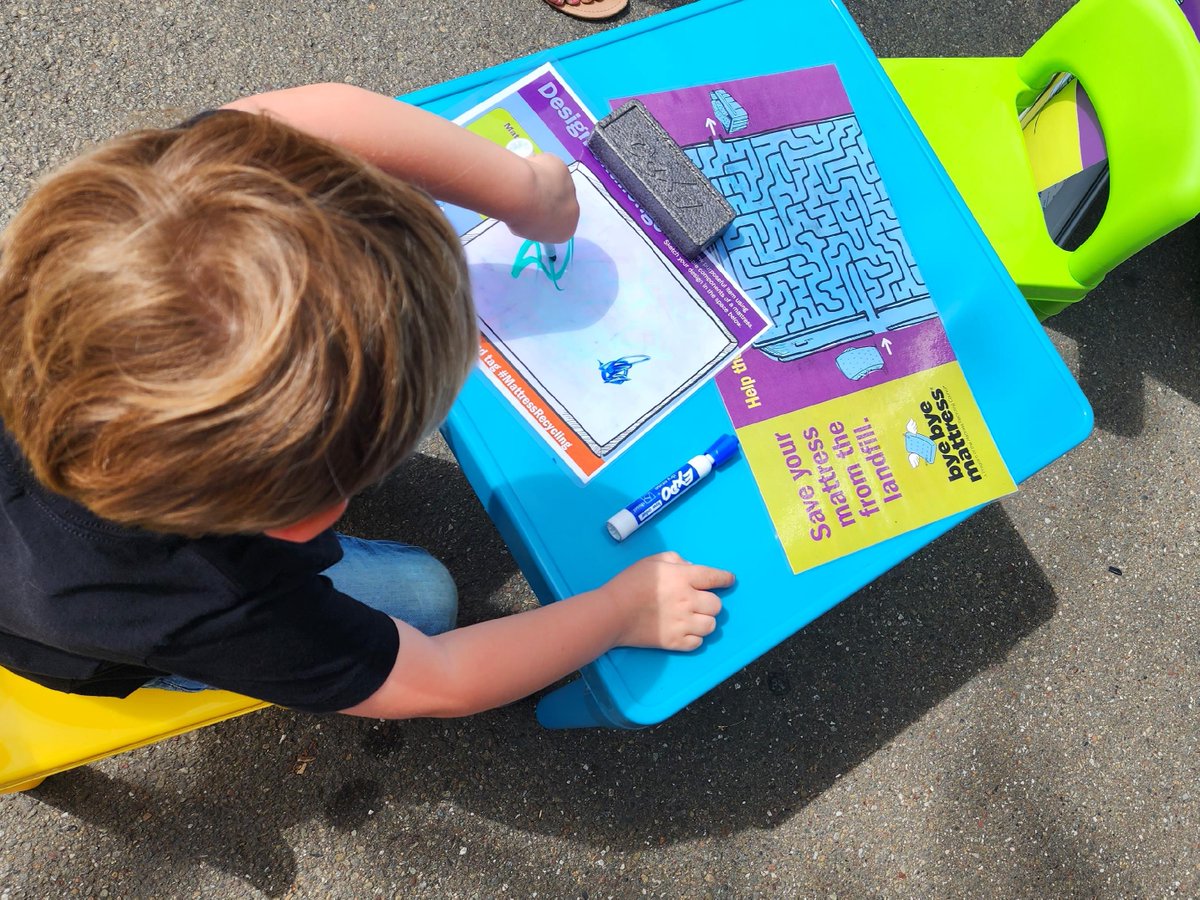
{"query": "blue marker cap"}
pixel 725 447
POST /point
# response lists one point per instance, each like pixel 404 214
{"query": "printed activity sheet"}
pixel 593 344
pixel 641 336
pixel 851 409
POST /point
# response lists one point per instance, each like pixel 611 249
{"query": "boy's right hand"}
pixel 661 601
pixel 666 602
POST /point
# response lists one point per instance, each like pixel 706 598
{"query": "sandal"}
pixel 589 9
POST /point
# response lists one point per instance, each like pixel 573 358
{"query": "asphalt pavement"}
pixel 1012 712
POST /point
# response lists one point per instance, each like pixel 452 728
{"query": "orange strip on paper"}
pixel 535 410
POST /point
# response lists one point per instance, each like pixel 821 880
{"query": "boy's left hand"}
pixel 553 211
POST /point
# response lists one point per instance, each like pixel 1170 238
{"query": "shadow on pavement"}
pixel 1143 320
pixel 748 755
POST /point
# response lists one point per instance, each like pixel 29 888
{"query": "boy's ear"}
pixel 309 527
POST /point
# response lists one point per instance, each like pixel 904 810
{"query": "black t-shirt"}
pixel 91 607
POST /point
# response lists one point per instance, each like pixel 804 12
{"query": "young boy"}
pixel 211 337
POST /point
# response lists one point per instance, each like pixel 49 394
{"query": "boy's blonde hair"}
pixel 226 327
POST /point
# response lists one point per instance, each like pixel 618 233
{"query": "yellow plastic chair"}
pixel 43 732
pixel 1139 62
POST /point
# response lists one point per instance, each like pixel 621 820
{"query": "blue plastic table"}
pixel 555 527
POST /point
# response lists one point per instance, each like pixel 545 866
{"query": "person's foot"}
pixel 589 9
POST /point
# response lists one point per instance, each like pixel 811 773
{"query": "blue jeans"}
pixel 405 582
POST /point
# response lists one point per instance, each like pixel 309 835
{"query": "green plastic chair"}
pixel 1139 62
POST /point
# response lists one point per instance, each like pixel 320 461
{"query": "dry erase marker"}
pixel 663 494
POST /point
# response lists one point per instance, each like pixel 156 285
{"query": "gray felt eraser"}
pixel 640 154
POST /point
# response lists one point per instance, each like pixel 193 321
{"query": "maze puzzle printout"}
pixel 852 410
pixel 593 345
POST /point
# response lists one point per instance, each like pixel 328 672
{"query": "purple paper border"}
pixel 782 387
pixel 539 93
pixel 795 98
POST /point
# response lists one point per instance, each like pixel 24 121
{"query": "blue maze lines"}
pixel 815 240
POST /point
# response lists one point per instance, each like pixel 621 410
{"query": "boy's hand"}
pixel 553 209
pixel 666 602
pixel 661 601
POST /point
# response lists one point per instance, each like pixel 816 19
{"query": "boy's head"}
pixel 226 327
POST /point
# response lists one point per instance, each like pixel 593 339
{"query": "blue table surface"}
pixel 555 527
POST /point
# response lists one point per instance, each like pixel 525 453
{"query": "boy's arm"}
pixel 535 197
pixel 661 601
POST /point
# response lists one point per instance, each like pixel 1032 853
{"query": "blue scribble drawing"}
pixel 617 371
pixel 815 240
pixel 533 254
pixel 728 111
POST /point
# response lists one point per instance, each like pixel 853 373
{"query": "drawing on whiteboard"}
pixel 533 253
pixel 617 370
pixel 623 293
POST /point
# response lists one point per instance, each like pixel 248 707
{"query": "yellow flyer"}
pixel 849 472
